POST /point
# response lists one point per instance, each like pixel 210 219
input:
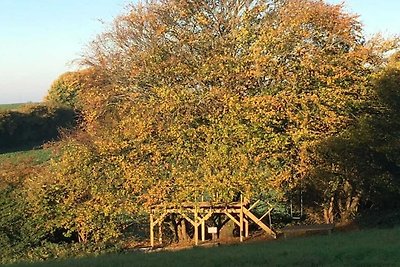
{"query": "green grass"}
pixel 16 106
pixel 378 247
pixel 11 106
pixel 37 155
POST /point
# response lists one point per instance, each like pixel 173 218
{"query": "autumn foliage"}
pixel 211 99
pixel 216 98
pixel 66 90
pixel 191 100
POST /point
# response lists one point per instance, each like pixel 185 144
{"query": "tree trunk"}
pixel 350 208
pixel 328 211
pixel 350 205
pixel 82 237
pixel 182 232
pixel 174 228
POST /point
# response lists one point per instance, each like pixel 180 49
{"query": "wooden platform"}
pixel 197 213
pixel 296 230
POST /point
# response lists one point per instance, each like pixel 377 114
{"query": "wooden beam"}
pixel 207 216
pixel 160 233
pixel 205 211
pixel 161 218
pixel 265 214
pixel 259 223
pixel 241 218
pixel 255 204
pixel 203 230
pixel 270 220
pixel 232 218
pixel 187 218
pixel 203 224
pixel 196 228
pixel 246 227
pixel 151 230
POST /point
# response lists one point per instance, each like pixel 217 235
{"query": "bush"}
pixel 33 125
pixel 20 229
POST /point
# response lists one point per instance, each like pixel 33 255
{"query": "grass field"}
pixel 11 106
pixel 378 247
pixel 37 155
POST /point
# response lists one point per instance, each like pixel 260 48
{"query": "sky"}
pixel 39 39
pixel 376 15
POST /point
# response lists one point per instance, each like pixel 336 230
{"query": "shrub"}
pixel 33 125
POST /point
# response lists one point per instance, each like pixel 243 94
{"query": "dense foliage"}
pixel 209 99
pixel 361 165
pixel 66 89
pixel 33 125
pixel 185 100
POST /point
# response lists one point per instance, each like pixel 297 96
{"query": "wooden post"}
pixel 196 227
pixel 259 222
pixel 151 229
pixel 246 228
pixel 160 233
pixel 270 220
pixel 203 230
pixel 241 218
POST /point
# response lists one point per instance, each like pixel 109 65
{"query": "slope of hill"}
pixel 376 247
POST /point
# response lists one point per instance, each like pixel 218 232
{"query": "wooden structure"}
pixel 307 229
pixel 197 213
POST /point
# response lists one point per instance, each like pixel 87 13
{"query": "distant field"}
pixel 363 248
pixel 14 106
pixel 37 155
pixel 11 106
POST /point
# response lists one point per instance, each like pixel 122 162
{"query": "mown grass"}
pixel 379 247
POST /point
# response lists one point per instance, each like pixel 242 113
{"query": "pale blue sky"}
pixel 39 38
pixel 376 15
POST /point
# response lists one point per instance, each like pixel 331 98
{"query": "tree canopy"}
pixel 208 99
pixel 197 83
pixel 66 89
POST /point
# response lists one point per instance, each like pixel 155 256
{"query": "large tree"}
pixel 361 166
pixel 295 70
pixel 208 99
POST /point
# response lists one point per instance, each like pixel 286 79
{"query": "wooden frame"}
pixel 197 213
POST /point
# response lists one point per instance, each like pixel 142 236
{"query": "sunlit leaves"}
pixel 209 99
pixel 226 96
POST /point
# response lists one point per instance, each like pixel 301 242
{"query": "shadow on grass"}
pixel 374 247
pixel 22 148
pixel 380 219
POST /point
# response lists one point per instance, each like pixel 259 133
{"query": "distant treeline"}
pixel 33 125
